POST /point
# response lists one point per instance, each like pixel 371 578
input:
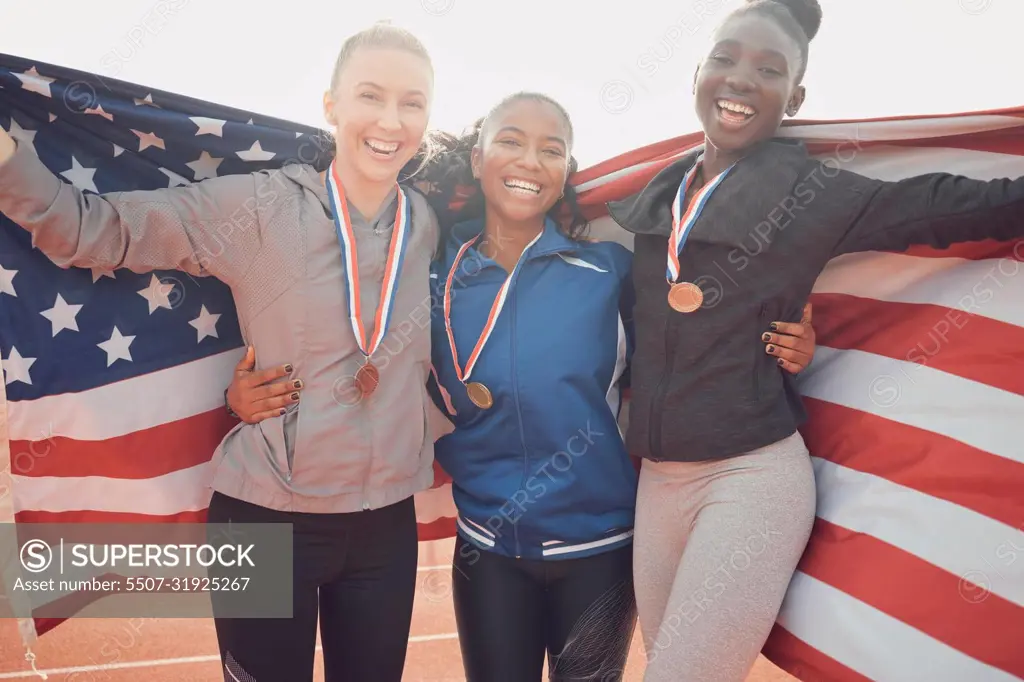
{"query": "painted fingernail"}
pixel 288 368
pixel 779 362
pixel 766 337
pixel 282 411
pixel 771 349
pixel 774 327
pixel 297 383
pixel 295 396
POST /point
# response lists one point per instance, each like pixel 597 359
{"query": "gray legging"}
pixel 715 547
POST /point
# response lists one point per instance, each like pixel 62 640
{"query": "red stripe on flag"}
pixel 440 529
pixel 950 340
pixel 924 461
pixel 91 516
pixel 167 448
pixel 980 250
pixel 923 596
pixel 803 661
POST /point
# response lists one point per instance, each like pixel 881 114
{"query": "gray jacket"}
pixel 270 237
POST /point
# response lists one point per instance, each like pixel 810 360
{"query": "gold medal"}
pixel 480 395
pixel 685 297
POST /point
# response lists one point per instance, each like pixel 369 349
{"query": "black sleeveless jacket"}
pixel 702 385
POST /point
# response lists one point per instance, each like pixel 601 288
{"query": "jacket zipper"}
pixel 519 413
pixel 758 353
pixel 654 436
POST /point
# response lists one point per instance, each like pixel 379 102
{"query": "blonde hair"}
pixel 380 35
pixel 383 34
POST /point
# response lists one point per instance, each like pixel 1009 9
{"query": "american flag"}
pixel 114 380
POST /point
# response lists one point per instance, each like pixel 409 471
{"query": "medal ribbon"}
pixel 492 318
pixel 349 255
pixel 681 226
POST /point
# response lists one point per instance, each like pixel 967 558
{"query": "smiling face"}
pixel 380 106
pixel 747 82
pixel 522 159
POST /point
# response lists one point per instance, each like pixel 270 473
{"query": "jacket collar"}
pixel 649 211
pixel 552 239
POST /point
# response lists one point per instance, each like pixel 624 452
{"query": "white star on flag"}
pixel 256 153
pixel 205 166
pixel 208 126
pixel 175 179
pixel 7 281
pixel 16 368
pixel 80 176
pixel 33 82
pixel 99 272
pixel 118 151
pixel 157 293
pixel 148 99
pixel 98 111
pixel 147 140
pixel 62 315
pixel 205 324
pixel 116 347
pixel 21 134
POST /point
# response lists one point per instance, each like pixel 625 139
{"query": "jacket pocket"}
pixel 279 436
pixel 290 429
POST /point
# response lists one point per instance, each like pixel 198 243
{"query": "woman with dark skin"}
pixel 726 496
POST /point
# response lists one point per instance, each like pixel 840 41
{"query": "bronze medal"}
pixel 685 297
pixel 367 378
pixel 480 395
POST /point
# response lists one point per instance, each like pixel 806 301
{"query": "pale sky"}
pixel 623 69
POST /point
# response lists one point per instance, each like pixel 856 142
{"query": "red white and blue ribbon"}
pixel 492 318
pixel 681 225
pixel 349 254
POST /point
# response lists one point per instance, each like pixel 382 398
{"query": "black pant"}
pixel 510 612
pixel 358 570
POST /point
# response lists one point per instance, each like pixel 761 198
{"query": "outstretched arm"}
pixel 937 209
pixel 211 227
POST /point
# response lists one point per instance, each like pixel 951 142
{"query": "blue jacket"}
pixel 543 473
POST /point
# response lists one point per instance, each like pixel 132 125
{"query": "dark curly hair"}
pixel 447 179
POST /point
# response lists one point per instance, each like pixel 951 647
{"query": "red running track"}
pixel 185 650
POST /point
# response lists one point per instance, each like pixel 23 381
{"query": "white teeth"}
pixel 523 187
pixel 382 147
pixel 734 106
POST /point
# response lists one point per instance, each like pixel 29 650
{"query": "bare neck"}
pixel 717 160
pixel 505 240
pixel 366 196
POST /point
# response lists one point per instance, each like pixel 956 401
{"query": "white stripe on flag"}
pixel 992 287
pixel 435 503
pixel 942 533
pixel 872 643
pixel 919 129
pixel 897 163
pixel 155 399
pixel 914 394
pixel 179 491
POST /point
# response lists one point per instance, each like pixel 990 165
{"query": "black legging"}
pixel 511 611
pixel 358 570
